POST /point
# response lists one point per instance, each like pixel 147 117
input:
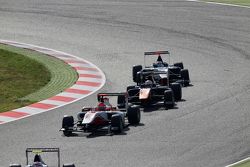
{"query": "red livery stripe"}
pixel 62 98
pixel 85 68
pixel 86 83
pixel 90 75
pixel 14 114
pixel 42 105
pixel 78 91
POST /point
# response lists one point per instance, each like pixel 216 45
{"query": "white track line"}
pixel 217 3
pixel 239 162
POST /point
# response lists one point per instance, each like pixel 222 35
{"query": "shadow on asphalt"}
pixel 103 133
pixel 156 108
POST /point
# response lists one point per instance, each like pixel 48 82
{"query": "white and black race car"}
pixel 174 72
pixel 103 117
pixel 38 161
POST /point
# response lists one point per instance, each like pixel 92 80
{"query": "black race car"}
pixel 175 72
pixel 38 161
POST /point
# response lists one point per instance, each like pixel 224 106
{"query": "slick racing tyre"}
pixel 185 77
pixel 134 114
pixel 15 165
pixel 174 73
pixel 117 123
pixel 169 99
pixel 179 64
pixel 121 101
pixel 133 95
pixel 68 165
pixel 68 122
pixel 136 69
pixel 176 87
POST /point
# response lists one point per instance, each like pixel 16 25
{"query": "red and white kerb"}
pixel 90 79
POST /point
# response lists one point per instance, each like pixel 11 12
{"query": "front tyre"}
pixel 169 99
pixel 117 123
pixel 67 123
pixel 68 165
pixel 134 114
pixel 185 77
pixel 15 165
pixel 176 87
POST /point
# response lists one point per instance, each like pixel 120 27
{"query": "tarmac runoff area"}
pixel 90 79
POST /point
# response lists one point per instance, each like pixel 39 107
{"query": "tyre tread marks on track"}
pixel 90 79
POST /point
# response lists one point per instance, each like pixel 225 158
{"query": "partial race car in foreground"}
pixel 38 161
pixel 175 72
pixel 103 117
pixel 153 88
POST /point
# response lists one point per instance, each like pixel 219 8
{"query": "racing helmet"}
pixel 148 82
pixel 159 59
pixel 37 158
pixel 106 101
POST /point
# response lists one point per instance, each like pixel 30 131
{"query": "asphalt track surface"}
pixel 210 127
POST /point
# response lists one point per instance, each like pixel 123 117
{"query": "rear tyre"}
pixel 185 77
pixel 179 64
pixel 117 123
pixel 169 98
pixel 174 73
pixel 136 69
pixel 130 87
pixel 68 165
pixel 67 123
pixel 121 101
pixel 133 95
pixel 15 165
pixel 134 114
pixel 176 87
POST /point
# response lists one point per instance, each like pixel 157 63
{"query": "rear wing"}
pixel 41 150
pixel 99 95
pixel 110 94
pixel 157 53
pixel 122 98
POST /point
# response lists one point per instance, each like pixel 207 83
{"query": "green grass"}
pixel 236 2
pixel 243 164
pixel 30 78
